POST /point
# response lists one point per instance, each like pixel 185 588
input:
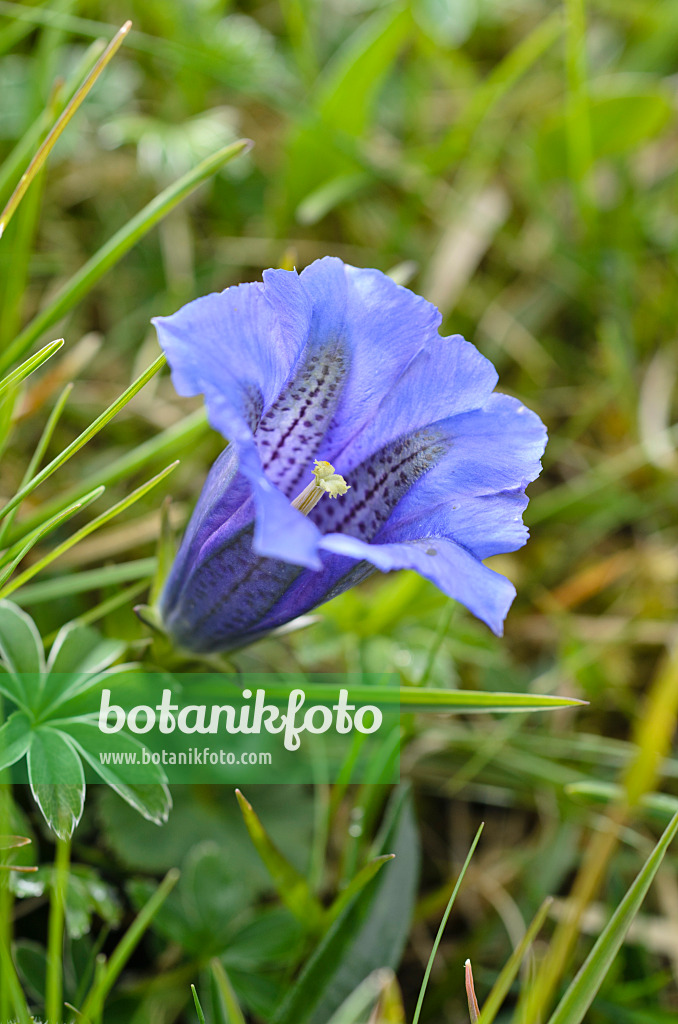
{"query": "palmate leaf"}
pixel 51 757
pixel 151 797
pixel 581 993
pixel 15 739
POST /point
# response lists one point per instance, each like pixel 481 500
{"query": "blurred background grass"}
pixel 514 162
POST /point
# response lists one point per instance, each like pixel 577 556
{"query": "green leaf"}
pixel 369 934
pixel 198 1007
pixel 619 124
pixel 15 738
pixel 358 1006
pixel 52 757
pixel 509 971
pixel 292 887
pixel 30 365
pixel 226 994
pixel 441 929
pixel 86 530
pixel 31 962
pixel 108 975
pixel 151 798
pixel 581 993
pixel 79 648
pixel 20 643
pixel 91 431
pixel 348 87
pixel 358 882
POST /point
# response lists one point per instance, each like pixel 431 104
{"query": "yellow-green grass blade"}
pixel 508 974
pixel 15 556
pixel 85 436
pixel 168 443
pixel 581 993
pixel 47 146
pixel 85 531
pixel 30 365
pixel 109 973
pixel 116 247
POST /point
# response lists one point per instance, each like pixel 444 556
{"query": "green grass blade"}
pixel 441 929
pixel 198 1007
pixel 660 804
pixel 507 976
pixel 358 882
pixel 15 557
pixel 581 993
pixel 577 114
pixel 292 887
pixel 86 530
pixel 30 365
pixel 85 436
pixel 28 143
pixel 47 146
pixel 169 442
pixel 10 978
pixel 37 457
pixel 489 93
pixel 478 702
pixel 121 954
pixel 228 996
pixel 90 579
pixel 116 247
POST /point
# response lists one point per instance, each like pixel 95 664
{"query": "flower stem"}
pixel 55 942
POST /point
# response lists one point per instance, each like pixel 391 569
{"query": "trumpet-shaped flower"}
pixel 359 439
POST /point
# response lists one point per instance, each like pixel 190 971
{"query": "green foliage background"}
pixel 516 164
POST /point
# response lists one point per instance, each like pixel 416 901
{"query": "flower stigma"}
pixel 325 481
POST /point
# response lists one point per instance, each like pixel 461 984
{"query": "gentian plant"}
pixel 340 366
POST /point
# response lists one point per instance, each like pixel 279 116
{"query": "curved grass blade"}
pixel 116 247
pixel 660 804
pixel 45 149
pixel 581 993
pixel 85 436
pixel 85 531
pixel 30 365
pixel 441 929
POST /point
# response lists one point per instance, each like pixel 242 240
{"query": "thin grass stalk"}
pixel 47 146
pixel 55 938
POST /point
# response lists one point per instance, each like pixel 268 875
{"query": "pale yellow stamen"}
pixel 325 481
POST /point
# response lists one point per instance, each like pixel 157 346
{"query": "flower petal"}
pixel 493 452
pixel 452 568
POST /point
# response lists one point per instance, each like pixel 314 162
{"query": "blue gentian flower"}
pixel 337 380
